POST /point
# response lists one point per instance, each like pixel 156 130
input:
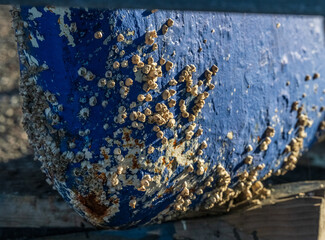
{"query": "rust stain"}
pixel 105 155
pixel 138 144
pixel 49 8
pixel 126 136
pixel 135 164
pixel 169 190
pixel 170 163
pixel 96 167
pixel 182 141
pixel 114 200
pixel 93 206
pixel 102 176
pixel 157 171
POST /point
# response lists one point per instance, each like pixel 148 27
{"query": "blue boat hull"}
pixel 233 99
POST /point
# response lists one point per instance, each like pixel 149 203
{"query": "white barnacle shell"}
pixel 89 76
pixel 50 97
pixel 87 132
pixel 101 82
pixel 104 103
pixel 82 72
pixel 117 151
pixel 55 119
pixel 108 74
pixel 204 145
pixel 54 149
pixel 92 101
pixel 69 155
pixel 84 113
pixel 48 112
pixel 121 109
pixel 79 156
pixel 140 126
pixel 72 145
pixel 120 158
pixel 60 107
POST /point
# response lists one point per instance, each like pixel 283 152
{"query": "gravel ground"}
pixel 13 139
pixel 19 174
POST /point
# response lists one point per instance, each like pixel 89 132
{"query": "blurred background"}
pixel 19 174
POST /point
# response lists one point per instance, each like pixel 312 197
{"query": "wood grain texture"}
pixel 210 228
pixel 295 211
pixel 33 212
pixel 297 218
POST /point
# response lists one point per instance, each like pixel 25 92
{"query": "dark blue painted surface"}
pixel 256 59
pixel 311 7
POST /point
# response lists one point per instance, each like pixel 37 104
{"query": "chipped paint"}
pixel 31 60
pixel 33 40
pixel 65 29
pixel 34 13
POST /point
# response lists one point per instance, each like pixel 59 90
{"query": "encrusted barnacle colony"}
pixel 134 125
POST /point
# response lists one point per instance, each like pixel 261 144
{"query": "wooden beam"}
pixel 34 212
pixel 295 211
pixel 296 219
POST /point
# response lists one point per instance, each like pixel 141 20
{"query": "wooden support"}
pixel 33 212
pixel 294 211
pixel 296 218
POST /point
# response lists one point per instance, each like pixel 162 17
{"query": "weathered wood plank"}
pixel 321 229
pixel 296 218
pixel 34 212
pixel 23 176
pixel 279 192
pixel 204 230
pixel 289 189
pixel 210 228
pixel 287 215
